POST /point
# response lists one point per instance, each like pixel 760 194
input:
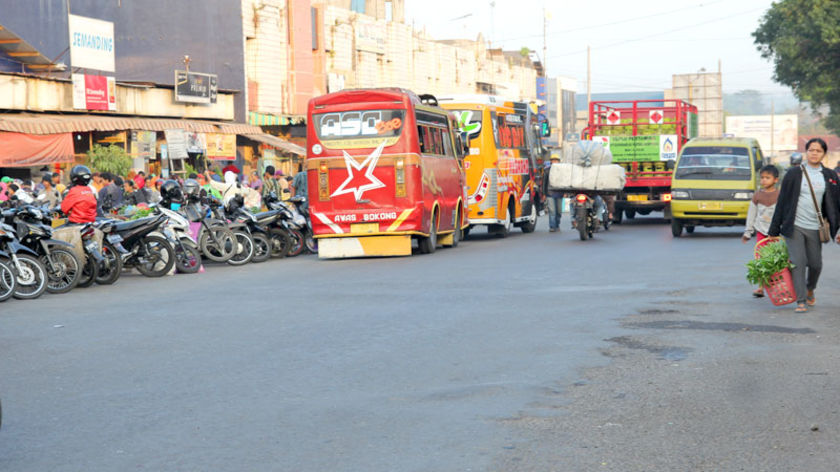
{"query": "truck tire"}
pixel 676 227
pixel 689 229
pixel 630 214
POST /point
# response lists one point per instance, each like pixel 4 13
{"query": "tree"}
pixel 802 38
pixel 111 159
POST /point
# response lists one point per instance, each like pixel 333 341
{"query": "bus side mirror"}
pixel 465 144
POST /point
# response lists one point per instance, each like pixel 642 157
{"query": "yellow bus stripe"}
pixel 396 224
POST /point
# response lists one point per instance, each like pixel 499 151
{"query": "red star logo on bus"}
pixel 354 173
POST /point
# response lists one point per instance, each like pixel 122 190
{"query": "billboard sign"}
pixel 192 87
pixel 785 130
pixel 91 43
pixel 94 92
pixel 221 146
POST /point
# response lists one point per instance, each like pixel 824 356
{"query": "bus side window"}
pixel 422 132
pixel 447 143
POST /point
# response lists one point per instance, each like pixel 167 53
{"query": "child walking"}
pixel 761 210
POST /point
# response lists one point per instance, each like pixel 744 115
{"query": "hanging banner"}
pixel 176 141
pixel 91 43
pixel 196 143
pixel 94 92
pixel 221 147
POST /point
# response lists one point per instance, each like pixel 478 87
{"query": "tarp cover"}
pixel 23 150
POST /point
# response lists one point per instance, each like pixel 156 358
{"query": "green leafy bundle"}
pixel 773 258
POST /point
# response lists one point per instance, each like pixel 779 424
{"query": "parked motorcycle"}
pixel 258 228
pixel 215 239
pixel 177 231
pixel 8 281
pixel 589 214
pixel 244 243
pixel 299 206
pixel 140 244
pixel 30 274
pixel 283 238
pixel 34 230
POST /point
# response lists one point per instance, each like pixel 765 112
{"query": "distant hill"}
pixel 753 102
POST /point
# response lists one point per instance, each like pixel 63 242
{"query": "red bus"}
pixel 384 168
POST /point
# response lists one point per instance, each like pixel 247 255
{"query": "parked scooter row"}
pixel 185 228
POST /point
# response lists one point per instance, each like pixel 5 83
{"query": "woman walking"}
pixel 809 196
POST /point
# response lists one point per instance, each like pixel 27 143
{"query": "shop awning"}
pixel 24 150
pixel 52 124
pixel 277 143
pixel 267 119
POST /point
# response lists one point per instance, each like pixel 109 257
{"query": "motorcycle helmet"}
pixel 171 191
pixel 191 188
pixel 80 175
pixel 796 159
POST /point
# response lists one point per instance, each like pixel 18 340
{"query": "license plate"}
pixel 711 206
pixel 364 228
pixel 114 238
pixel 637 198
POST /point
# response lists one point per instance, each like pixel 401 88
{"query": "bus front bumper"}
pixel 364 246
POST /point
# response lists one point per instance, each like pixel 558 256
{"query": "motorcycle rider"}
pixel 80 203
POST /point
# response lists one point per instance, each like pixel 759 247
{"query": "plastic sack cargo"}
pixel 609 178
pixel 586 153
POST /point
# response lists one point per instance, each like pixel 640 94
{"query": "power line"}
pixel 641 38
pixel 619 22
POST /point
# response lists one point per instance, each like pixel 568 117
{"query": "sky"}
pixel 636 44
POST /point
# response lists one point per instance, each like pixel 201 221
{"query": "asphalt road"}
pixel 632 351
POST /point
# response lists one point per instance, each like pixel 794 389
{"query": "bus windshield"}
pixel 358 124
pixel 714 163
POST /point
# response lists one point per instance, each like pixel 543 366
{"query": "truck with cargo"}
pixel 644 137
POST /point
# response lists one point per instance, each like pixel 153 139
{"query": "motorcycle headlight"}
pixel 742 195
pixel 680 194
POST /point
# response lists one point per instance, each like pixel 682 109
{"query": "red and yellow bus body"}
pixel 382 170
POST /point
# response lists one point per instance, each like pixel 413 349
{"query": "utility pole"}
pixel 545 47
pixel 772 127
pixel 588 76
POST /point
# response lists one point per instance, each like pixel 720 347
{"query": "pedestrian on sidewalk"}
pixel 553 198
pixel 760 213
pixel 797 218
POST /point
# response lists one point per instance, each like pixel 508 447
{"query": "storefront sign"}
pixel 94 92
pixel 143 144
pixel 221 146
pixel 91 43
pixel 176 142
pixel 192 87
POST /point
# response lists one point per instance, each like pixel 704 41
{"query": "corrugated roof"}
pixel 53 124
pixel 278 143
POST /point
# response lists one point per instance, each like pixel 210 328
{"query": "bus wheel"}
pixel 530 225
pixel 466 233
pixel 689 229
pixel 428 244
pixel 630 214
pixel 676 227
pixel 456 234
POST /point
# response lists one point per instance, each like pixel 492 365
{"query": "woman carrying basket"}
pixel 807 214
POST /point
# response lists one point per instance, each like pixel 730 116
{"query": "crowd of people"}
pixel 137 188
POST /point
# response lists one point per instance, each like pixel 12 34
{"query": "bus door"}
pixel 440 170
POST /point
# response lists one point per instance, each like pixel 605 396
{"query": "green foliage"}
pixel 524 52
pixel 802 38
pixel 773 258
pixel 111 159
pixel 188 169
